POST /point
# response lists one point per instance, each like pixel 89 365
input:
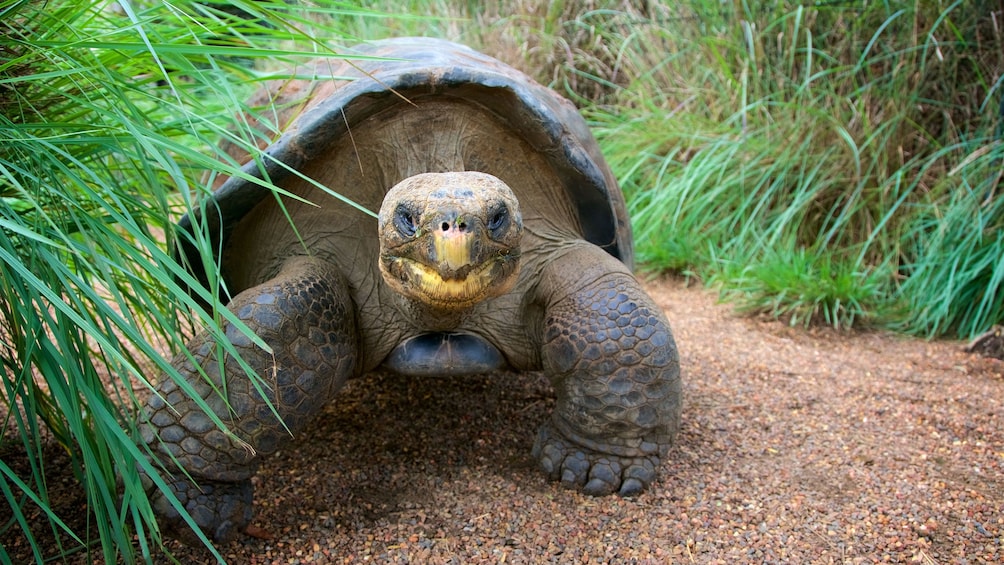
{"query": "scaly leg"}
pixel 610 355
pixel 306 316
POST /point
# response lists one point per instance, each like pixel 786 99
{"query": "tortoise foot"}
pixel 596 470
pixel 222 510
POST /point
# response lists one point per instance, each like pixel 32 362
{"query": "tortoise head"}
pixel 450 240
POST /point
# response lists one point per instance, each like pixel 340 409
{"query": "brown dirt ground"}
pixel 797 446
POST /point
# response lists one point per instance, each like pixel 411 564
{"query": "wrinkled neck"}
pixel 431 318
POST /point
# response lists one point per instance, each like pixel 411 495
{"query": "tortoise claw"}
pixel 589 470
pixel 222 510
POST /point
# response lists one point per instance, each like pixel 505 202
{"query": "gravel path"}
pixel 797 447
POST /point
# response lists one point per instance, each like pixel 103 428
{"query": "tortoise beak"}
pixel 454 246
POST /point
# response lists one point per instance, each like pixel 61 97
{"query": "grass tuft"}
pixel 801 287
pixel 110 117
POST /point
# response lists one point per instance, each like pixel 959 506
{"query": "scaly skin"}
pixel 609 353
pixel 305 315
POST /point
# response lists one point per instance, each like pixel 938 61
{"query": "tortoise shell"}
pixel 378 83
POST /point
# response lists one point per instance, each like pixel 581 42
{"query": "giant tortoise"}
pixel 501 242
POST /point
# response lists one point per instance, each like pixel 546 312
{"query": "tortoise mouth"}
pixel 428 285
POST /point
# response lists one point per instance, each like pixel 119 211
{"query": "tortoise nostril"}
pixel 459 224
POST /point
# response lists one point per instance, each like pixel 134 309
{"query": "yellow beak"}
pixel 453 249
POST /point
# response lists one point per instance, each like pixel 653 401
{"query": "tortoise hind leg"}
pixel 610 355
pixel 306 316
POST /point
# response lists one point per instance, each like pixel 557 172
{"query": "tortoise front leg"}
pixel 609 353
pixel 306 316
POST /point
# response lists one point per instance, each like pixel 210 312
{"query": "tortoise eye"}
pixel 404 221
pixel 498 221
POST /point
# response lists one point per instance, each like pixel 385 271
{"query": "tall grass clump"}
pixel 852 138
pixel 954 271
pixel 110 115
